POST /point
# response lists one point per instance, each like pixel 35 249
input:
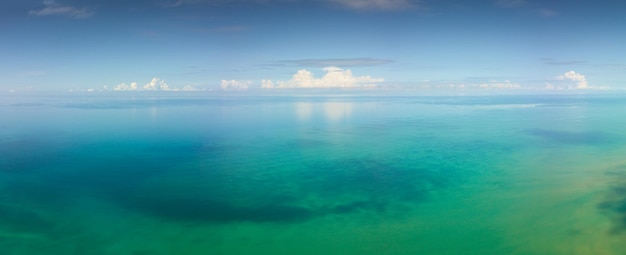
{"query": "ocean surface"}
pixel 133 174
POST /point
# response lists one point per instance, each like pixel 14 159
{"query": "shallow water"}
pixel 219 174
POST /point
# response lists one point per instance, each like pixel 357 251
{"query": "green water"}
pixel 132 174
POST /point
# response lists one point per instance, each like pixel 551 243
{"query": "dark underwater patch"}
pixel 207 210
pixel 614 204
pixel 310 189
pixel 18 218
pixel 337 188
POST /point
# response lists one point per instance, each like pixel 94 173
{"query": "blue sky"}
pixel 66 44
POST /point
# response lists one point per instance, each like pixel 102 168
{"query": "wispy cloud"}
pixel 52 8
pixel 360 5
pixel 30 73
pixel 457 85
pixel 346 62
pixel 550 61
pixel 385 5
pixel 516 4
pixel 335 77
pixel 510 3
pixel 545 12
pixel 615 66
pixel 226 29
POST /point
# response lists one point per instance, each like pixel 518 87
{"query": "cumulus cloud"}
pixel 124 87
pixel 52 8
pixel 235 85
pixel 155 84
pixel 267 84
pixel 335 77
pixel 579 79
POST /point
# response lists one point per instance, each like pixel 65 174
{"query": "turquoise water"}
pixel 344 174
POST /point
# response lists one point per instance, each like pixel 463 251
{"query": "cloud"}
pixel 155 84
pixel 32 73
pixel 235 85
pixel 51 8
pixel 267 84
pixel 124 87
pixel 493 84
pixel 510 3
pixel 581 81
pixel 227 29
pixel 360 5
pixel 345 62
pixel 547 12
pixel 550 61
pixel 385 5
pixel 614 66
pixel 335 77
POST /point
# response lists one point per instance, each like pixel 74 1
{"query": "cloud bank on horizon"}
pixel 338 78
pixel 155 84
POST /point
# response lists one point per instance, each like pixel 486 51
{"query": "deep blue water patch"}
pixel 27 152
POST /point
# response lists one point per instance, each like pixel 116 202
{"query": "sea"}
pixel 211 173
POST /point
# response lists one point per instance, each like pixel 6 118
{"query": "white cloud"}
pixel 235 85
pixel 124 87
pixel 493 84
pixel 335 77
pixel 53 8
pixel 386 5
pixel 581 81
pixel 267 84
pixel 189 88
pixel 155 84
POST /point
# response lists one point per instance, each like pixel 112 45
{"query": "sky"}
pixel 243 44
